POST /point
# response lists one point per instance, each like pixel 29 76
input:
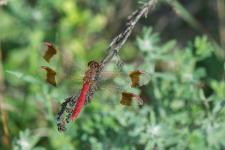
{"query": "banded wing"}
pixel 50 75
pixel 127 98
pixel 126 84
pixel 135 77
pixel 50 52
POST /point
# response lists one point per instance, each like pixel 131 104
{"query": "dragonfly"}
pixel 71 107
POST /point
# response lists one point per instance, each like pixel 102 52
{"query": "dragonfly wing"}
pixel 127 98
pixel 136 78
pixel 50 77
pixel 51 51
pixel 139 78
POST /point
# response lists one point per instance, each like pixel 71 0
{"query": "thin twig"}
pixel 119 40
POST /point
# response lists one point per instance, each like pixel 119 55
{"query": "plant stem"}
pixel 4 116
pixel 119 40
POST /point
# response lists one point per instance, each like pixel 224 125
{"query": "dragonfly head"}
pixel 93 64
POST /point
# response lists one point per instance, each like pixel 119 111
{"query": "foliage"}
pixel 184 100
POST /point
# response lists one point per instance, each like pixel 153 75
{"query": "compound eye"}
pixel 93 64
pixel 90 63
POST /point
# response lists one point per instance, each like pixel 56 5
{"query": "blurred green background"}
pixel 181 45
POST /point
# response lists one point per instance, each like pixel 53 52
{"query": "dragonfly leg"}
pixel 90 93
pixel 119 62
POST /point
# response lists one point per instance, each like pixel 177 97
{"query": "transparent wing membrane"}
pixel 127 98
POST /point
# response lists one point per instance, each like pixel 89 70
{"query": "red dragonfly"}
pixel 72 106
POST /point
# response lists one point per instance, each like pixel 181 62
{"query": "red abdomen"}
pixel 80 101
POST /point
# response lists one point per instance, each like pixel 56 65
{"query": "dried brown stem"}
pixel 119 40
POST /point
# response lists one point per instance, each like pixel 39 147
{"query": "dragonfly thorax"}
pixel 90 74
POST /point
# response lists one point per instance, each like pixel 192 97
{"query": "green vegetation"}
pixel 184 102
